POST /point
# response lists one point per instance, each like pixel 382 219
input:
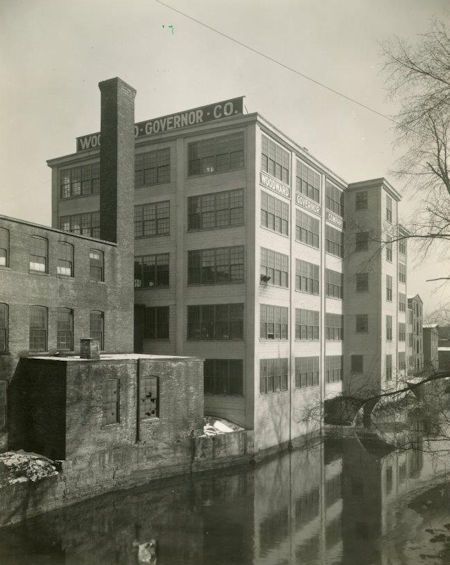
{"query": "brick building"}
pixel 415 334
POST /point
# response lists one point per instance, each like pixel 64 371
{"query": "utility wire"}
pixel 281 64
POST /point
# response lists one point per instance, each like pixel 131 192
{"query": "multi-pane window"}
pixel 274 214
pixel 402 273
pixel 362 241
pixel 148 397
pixel 3 404
pixel 389 288
pixel 308 182
pixel 401 332
pixel 64 329
pixel 273 322
pixel 389 209
pixel 273 375
pixel 84 224
pixel 362 323
pixel 306 324
pixel 307 229
pixel 4 247
pixel 151 271
pixel 333 368
pixel 97 327
pixel 216 266
pixel 334 241
pixel 96 265
pixel 111 401
pixel 402 361
pixel 334 327
pixel 38 328
pixel 4 327
pixel 156 322
pixel 152 168
pixel 388 367
pixel 362 282
pixel 217 210
pixel 306 277
pixel 361 200
pixel 151 220
pixel 402 246
pixel 224 376
pixel 80 181
pixel 65 259
pixel 357 364
pixel 38 254
pixel 389 251
pixel 274 268
pixel 402 302
pixel 306 371
pixel 389 328
pixel 334 284
pixel 334 199
pixel 215 321
pixel 216 154
pixel 274 159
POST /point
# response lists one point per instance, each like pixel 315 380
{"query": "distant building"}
pixel 430 346
pixel 415 334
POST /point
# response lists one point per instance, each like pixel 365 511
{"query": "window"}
pixel 97 327
pixel 362 282
pixel 362 241
pixel 334 241
pixel 96 265
pixel 389 328
pixel 274 268
pixel 274 214
pixel 64 329
pixel 216 266
pixel 38 328
pixel 402 273
pixel 307 229
pixel 151 271
pixel 402 302
pixel 306 277
pixel 306 371
pixel 4 247
pixel 273 375
pixel 361 200
pixel 388 367
pixel 306 324
pixel 308 182
pixel 402 246
pixel 156 322
pixel 273 322
pixel 4 327
pixel 216 154
pixel 148 397
pixel 334 327
pixel 274 159
pixel 333 368
pixel 3 405
pixel 362 323
pixel 65 259
pixel 335 283
pixel 389 209
pixel 80 181
pixel 218 210
pixel 215 321
pixel 357 364
pixel 39 254
pixel 334 199
pixel 84 224
pixel 389 251
pixel 401 332
pixel 402 361
pixel 152 220
pixel 224 376
pixel 111 401
pixel 152 168
pixel 388 288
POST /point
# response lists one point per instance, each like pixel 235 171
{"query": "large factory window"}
pixel 216 266
pixel 216 154
pixel 274 322
pixel 216 210
pixel 306 277
pixel 307 325
pixel 274 160
pixel 215 321
pixel 80 181
pixel 84 224
pixel 274 268
pixel 274 214
pixel 38 328
pixel 224 376
pixel 273 375
pixel 151 271
pixel 39 254
pixel 156 324
pixel 334 284
pixel 307 182
pixel 333 368
pixel 307 229
pixel 151 220
pixel 334 327
pixel 334 241
pixel 306 371
pixel 152 168
pixel 334 199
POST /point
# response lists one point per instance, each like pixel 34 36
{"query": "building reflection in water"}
pixel 334 502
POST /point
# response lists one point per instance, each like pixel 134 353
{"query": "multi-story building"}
pixel 415 334
pixel 430 346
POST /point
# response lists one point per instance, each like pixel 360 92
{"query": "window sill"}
pixel 265 228
pixel 39 273
pixel 307 244
pixel 266 339
pixel 233 339
pixel 306 292
pixel 200 175
pixel 334 298
pixel 215 228
pixel 266 285
pixel 222 283
pixel 167 183
pixel 151 236
pixel 221 394
pixel 78 196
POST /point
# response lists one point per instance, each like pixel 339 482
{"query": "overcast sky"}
pixel 54 52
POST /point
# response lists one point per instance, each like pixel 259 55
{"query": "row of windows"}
pixel 80 181
pixel 216 266
pixel 307 229
pixel 334 199
pixel 274 160
pixel 38 328
pixel 274 268
pixel 216 155
pixel 274 214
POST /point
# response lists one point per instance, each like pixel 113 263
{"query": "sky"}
pixel 53 53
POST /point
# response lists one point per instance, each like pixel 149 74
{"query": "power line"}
pixel 280 63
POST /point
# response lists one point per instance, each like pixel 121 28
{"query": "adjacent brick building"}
pixel 430 346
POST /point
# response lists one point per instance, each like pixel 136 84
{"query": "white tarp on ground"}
pixel 215 426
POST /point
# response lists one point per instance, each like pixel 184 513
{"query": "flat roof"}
pixel 111 357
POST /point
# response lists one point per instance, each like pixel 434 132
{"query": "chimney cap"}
pixel 115 82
